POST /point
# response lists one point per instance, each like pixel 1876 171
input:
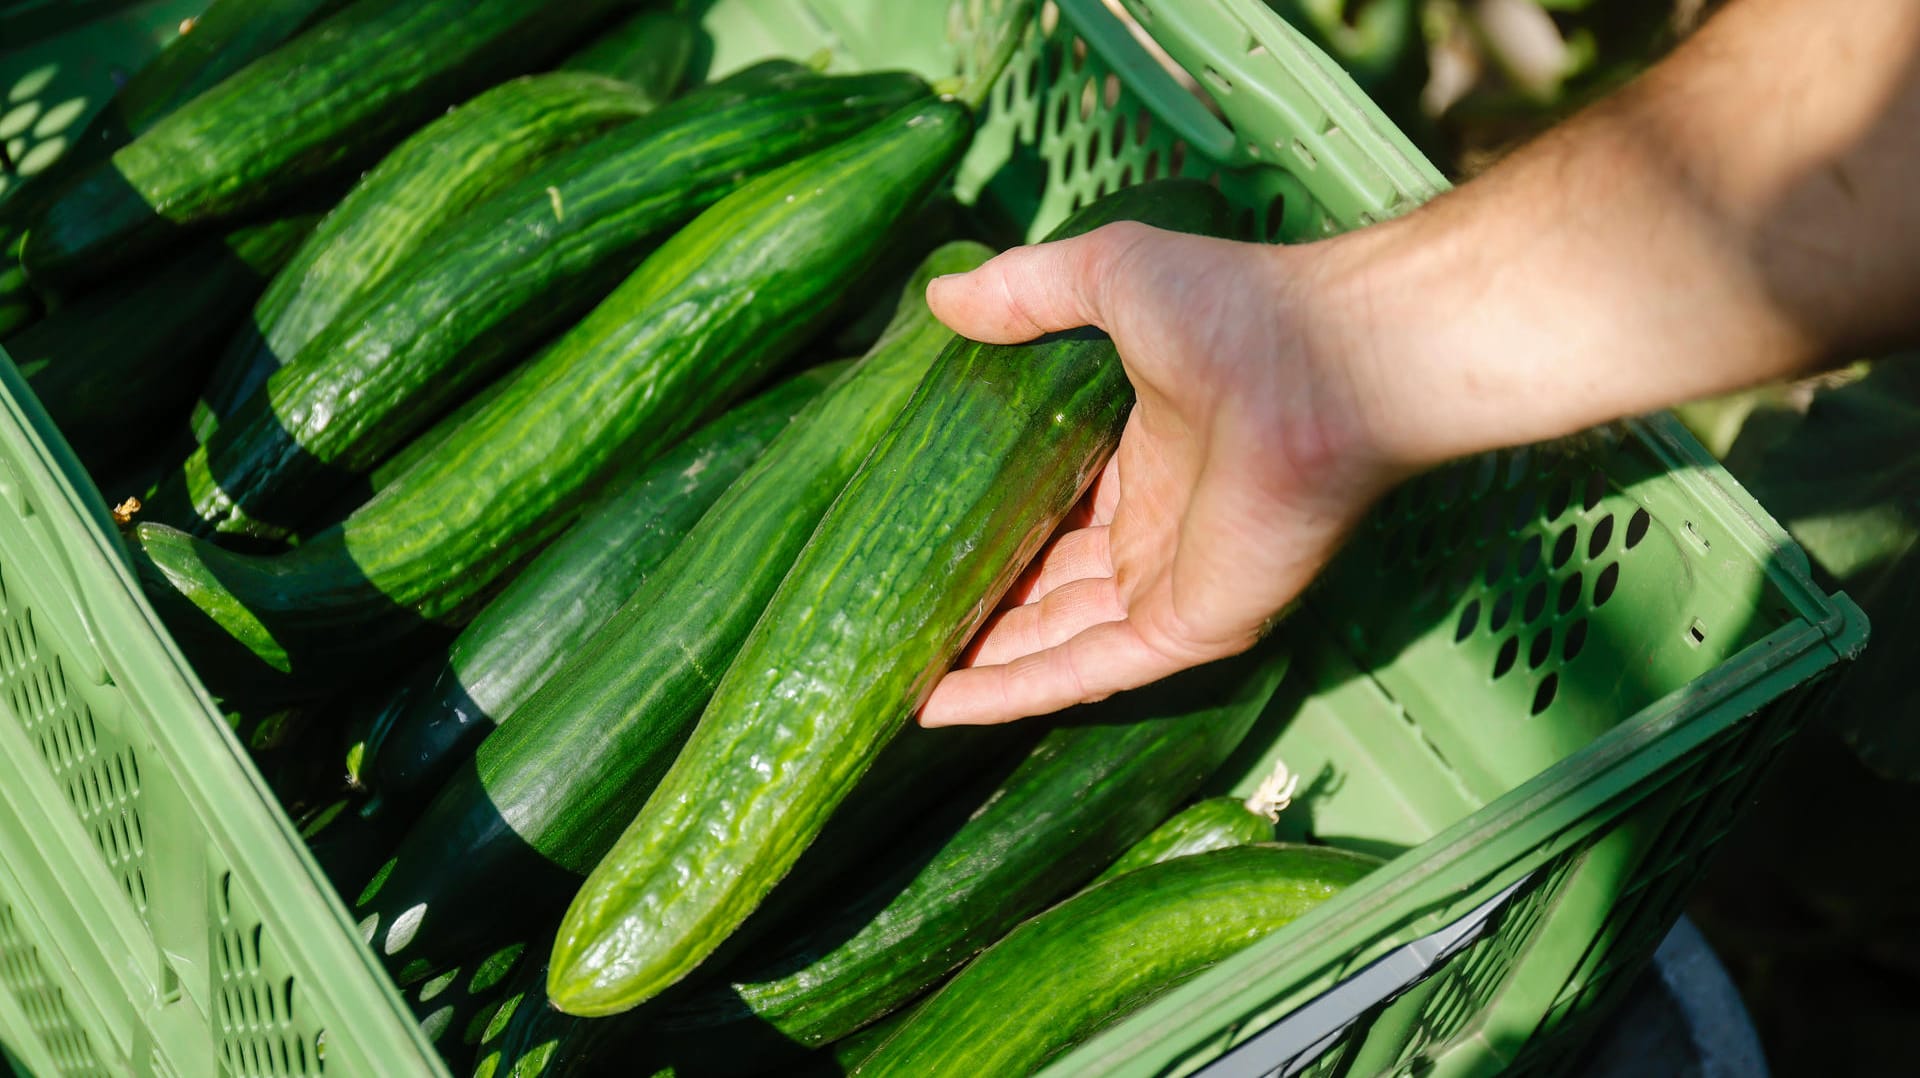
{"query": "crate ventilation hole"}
pixel 1531 592
pixel 52 1021
pixel 101 776
pixel 256 1013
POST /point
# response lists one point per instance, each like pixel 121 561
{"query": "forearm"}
pixel 1748 210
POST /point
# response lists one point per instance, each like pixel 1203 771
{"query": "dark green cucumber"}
pixel 116 366
pixel 225 37
pixel 1213 824
pixel 1090 789
pixel 1097 957
pixel 650 50
pixel 710 313
pixel 994 449
pixel 514 271
pixel 552 787
pixel 426 183
pixel 329 101
pixel 540 621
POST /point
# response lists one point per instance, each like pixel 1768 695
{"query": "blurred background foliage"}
pixel 1469 79
pixel 1811 903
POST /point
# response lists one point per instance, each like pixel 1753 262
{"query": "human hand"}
pixel 1661 247
pixel 1242 466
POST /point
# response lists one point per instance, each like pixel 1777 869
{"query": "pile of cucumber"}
pixel 476 379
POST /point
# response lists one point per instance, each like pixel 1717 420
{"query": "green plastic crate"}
pixel 1546 680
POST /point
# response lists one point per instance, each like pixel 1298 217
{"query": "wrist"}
pixel 1380 318
pixel 1581 282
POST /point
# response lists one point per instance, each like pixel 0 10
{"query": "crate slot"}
pixel 53 1023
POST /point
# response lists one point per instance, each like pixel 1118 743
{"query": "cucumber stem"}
pixel 1275 792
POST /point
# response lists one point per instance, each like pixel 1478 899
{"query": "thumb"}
pixel 1025 292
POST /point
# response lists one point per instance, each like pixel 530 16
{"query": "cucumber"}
pixel 429 181
pixel 992 452
pixel 1095 958
pixel 115 367
pixel 651 50
pixel 923 772
pixel 850 1051
pixel 517 269
pixel 702 319
pixel 325 103
pixel 541 620
pixel 421 446
pixel 1091 788
pixel 443 429
pixel 1213 824
pixel 225 37
pixel 551 788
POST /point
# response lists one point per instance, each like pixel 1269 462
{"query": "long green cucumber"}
pixel 552 787
pixel 991 453
pixel 115 366
pixel 540 621
pixel 923 773
pixel 1095 958
pixel 650 50
pixel 328 101
pixel 515 270
pixel 1212 824
pixel 426 183
pixel 706 316
pixel 225 37
pixel 1092 787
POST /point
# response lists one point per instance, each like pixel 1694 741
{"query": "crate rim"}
pixel 208 748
